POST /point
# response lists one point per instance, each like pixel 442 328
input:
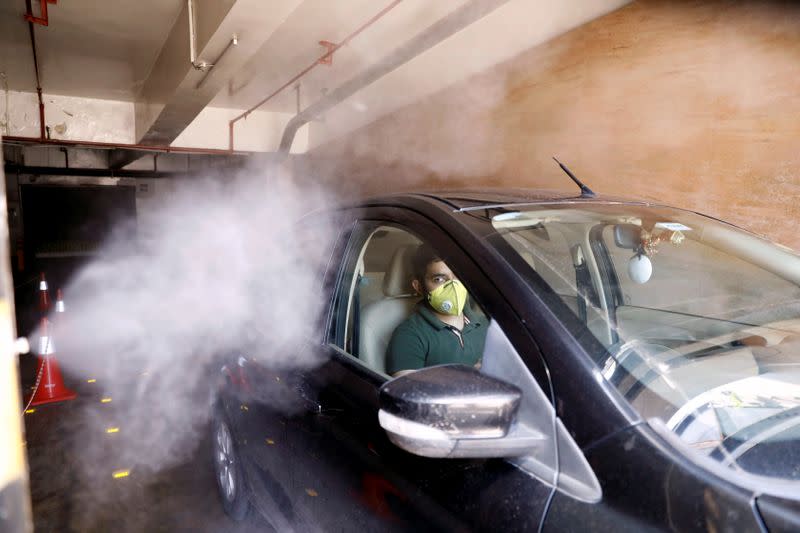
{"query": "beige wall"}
pixel 695 104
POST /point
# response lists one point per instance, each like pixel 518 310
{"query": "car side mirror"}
pixel 454 411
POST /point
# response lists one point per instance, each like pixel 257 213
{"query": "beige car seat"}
pixel 379 319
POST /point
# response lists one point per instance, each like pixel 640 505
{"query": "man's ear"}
pixel 417 286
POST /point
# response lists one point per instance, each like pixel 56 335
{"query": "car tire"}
pixel 228 471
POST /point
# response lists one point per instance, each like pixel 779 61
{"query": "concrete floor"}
pixel 72 461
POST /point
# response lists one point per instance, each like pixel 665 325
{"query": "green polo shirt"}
pixel 424 340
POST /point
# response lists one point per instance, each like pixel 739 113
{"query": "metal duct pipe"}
pixel 433 35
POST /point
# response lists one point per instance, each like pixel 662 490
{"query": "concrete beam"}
pixel 175 92
pixel 119 158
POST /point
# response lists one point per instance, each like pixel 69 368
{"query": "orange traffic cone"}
pixel 50 386
pixel 59 301
pixel 58 325
pixel 44 296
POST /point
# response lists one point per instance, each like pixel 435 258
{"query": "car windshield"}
pixel 699 322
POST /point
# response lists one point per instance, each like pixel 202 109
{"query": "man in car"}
pixel 442 329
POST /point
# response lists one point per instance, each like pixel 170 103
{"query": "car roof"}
pixel 467 199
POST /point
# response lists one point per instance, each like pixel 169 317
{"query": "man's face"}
pixel 437 273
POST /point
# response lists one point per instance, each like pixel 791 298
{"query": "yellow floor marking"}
pixel 312 492
pixel 112 430
pixel 30 411
pixel 91 380
pixel 121 473
pixel 105 400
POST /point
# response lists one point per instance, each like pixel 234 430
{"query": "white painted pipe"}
pixel 202 65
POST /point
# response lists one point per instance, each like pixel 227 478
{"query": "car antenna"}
pixel 586 192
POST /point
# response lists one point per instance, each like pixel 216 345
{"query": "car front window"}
pixel 699 321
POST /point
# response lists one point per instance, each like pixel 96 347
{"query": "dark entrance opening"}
pixel 64 227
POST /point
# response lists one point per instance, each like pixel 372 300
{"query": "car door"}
pixel 266 402
pixel 352 476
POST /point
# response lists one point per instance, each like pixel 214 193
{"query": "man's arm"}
pixel 406 351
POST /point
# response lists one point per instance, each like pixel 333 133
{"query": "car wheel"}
pixel 228 471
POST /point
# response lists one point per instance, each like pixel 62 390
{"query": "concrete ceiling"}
pixel 295 45
pixel 139 52
pixel 90 49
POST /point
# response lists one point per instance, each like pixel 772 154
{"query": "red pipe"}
pixel 322 59
pixel 43 19
pixel 111 146
pixel 36 66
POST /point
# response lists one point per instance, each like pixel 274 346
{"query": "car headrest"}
pixel 397 281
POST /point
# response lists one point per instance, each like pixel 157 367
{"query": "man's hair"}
pixel 424 256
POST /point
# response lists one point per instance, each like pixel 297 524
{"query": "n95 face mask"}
pixel 448 298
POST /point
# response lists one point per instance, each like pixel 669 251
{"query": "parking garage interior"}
pixel 145 143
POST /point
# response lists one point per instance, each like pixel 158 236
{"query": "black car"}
pixel 641 371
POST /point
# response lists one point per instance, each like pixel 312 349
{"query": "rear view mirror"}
pixel 454 411
pixel 628 236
